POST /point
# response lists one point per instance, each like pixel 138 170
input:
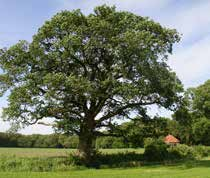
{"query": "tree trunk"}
pixel 86 146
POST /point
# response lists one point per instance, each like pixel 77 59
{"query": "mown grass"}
pixel 144 172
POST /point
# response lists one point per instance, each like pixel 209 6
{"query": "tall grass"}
pixel 48 160
pixel 8 163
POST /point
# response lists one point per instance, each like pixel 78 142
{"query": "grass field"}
pixel 192 169
pixel 52 152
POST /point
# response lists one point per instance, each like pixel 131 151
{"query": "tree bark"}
pixel 86 147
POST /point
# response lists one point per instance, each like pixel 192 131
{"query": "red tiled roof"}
pixel 171 139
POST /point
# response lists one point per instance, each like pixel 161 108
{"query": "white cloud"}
pixel 37 129
pixel 192 64
pixel 33 129
pixel 138 5
pixel 191 19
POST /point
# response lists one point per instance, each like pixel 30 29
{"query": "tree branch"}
pixel 120 110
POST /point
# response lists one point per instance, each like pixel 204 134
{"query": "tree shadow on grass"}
pixel 196 163
pixel 120 160
pixel 133 159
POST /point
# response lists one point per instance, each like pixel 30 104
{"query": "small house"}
pixel 171 140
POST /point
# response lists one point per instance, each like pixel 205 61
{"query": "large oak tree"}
pixel 88 71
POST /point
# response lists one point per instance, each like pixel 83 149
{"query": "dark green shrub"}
pixel 121 159
pixel 155 150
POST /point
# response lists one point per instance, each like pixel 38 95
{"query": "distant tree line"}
pixel 37 141
pixel 54 141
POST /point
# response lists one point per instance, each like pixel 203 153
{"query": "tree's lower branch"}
pixel 120 110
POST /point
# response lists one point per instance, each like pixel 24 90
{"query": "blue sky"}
pixel 20 19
